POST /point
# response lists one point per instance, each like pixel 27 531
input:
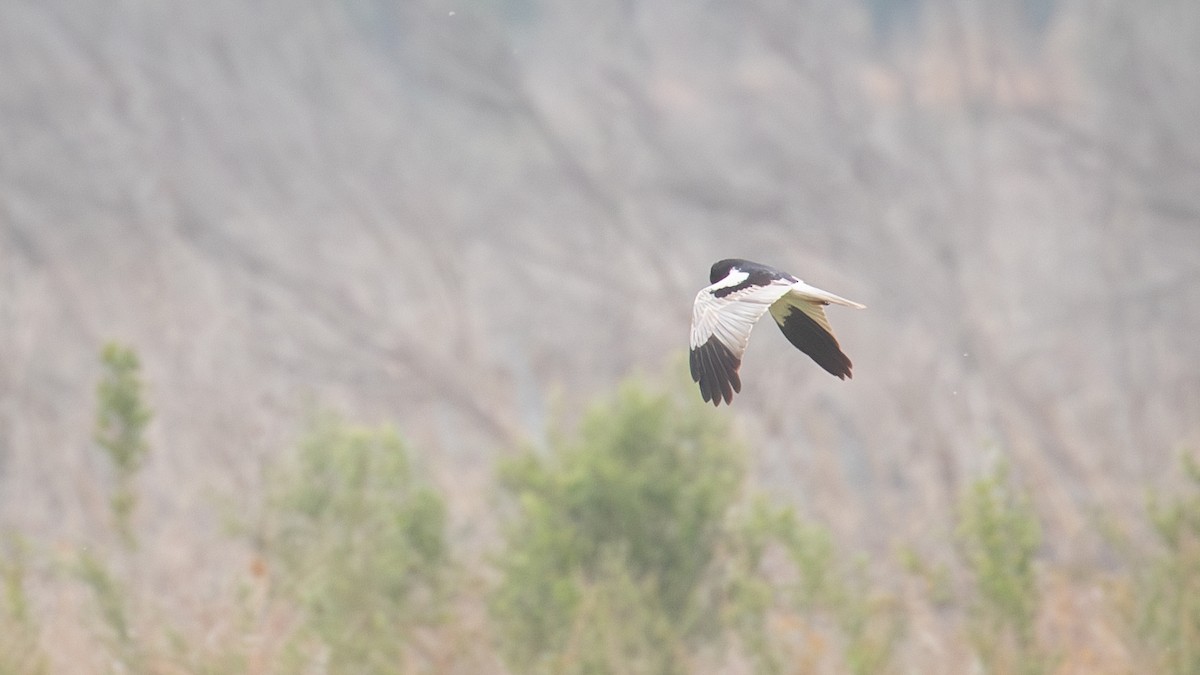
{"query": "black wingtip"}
pixel 715 368
pixel 809 337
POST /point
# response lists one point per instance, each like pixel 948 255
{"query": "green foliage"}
pixel 121 420
pixel 1167 585
pixel 234 650
pixel 12 574
pixel 822 584
pixel 112 600
pixel 633 547
pixel 870 625
pixel 358 544
pixel 752 595
pixel 615 536
pixel 938 583
pixel 612 631
pixel 998 535
pixel 20 653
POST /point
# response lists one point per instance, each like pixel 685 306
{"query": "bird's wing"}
pixel 801 316
pixel 721 328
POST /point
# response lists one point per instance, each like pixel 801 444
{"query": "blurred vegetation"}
pixel 121 419
pixel 998 535
pixel 842 589
pixel 19 649
pixel 113 599
pixel 634 511
pixel 632 544
pixel 358 543
pixel 1166 585
pixel 637 545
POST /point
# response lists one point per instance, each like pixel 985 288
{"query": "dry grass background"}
pixel 466 219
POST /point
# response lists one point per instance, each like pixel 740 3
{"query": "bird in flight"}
pixel 725 312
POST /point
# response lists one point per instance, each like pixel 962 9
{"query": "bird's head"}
pixel 720 269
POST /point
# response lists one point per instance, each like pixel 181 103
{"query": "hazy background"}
pixel 468 217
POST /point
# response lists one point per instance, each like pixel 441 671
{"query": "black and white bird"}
pixel 726 311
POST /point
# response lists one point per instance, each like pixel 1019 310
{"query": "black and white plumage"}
pixel 725 312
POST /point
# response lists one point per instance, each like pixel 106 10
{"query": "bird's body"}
pixel 740 293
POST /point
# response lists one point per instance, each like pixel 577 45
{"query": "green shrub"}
pixel 998 536
pixel 634 548
pixel 869 623
pixel 358 544
pixel 820 585
pixel 937 578
pixel 637 503
pixel 1166 598
pixel 20 653
pixel 612 631
pixel 112 600
pixel 121 419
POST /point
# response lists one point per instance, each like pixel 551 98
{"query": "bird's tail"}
pixel 817 295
